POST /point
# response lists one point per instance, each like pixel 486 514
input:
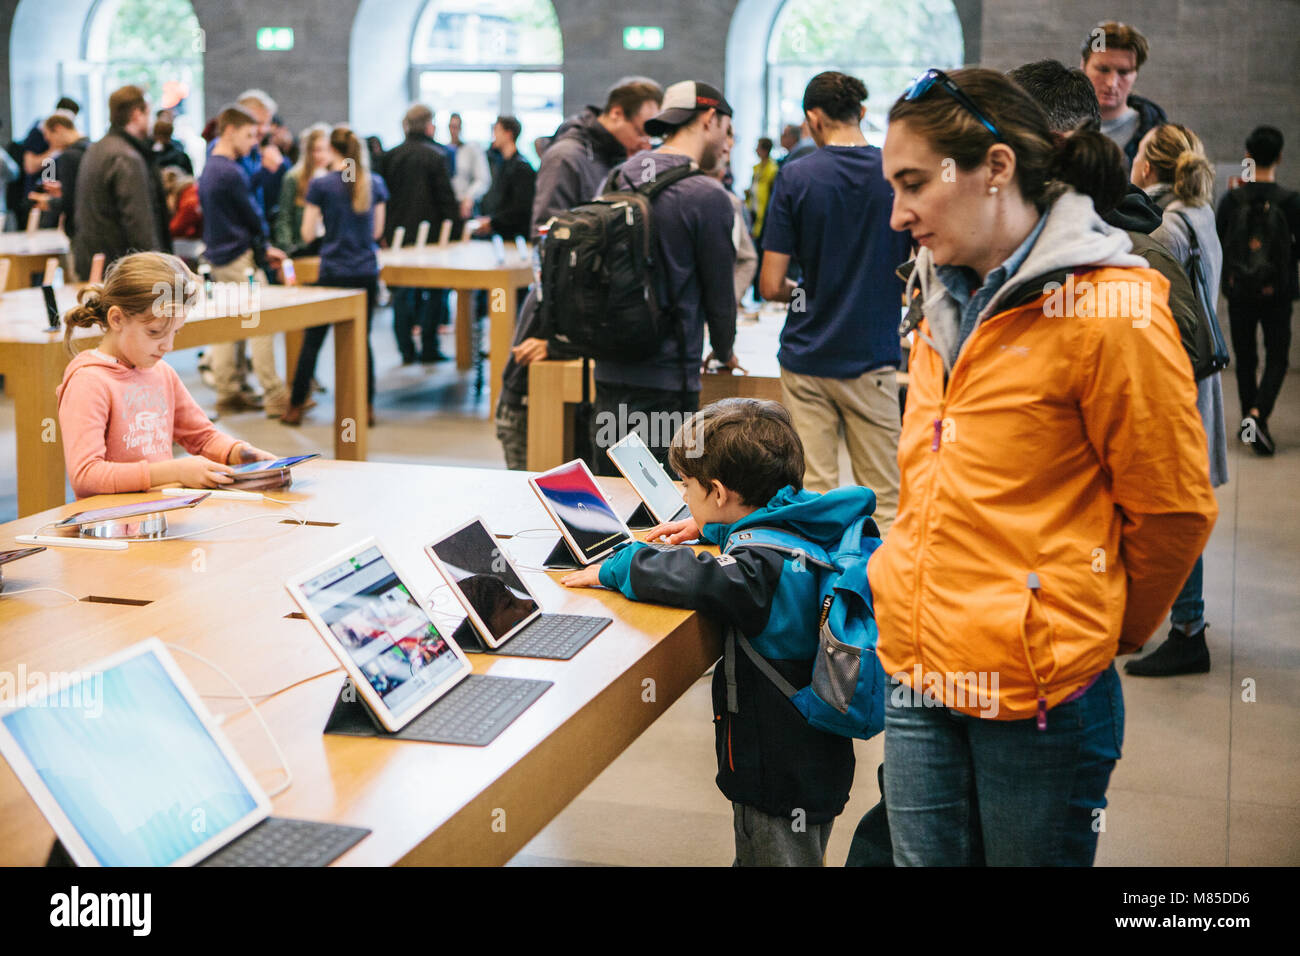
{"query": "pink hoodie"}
pixel 116 420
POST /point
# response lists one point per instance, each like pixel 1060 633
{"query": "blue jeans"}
pixel 1189 606
pixel 965 790
pixel 425 308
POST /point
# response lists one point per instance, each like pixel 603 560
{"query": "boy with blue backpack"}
pixel 799 677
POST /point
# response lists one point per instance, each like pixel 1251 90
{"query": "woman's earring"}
pixel 993 190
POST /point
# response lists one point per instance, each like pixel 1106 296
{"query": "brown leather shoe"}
pixel 292 415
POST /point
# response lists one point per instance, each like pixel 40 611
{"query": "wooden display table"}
pixel 27 252
pixel 222 595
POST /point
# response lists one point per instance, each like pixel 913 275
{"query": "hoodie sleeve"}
pixel 559 183
pixel 735 587
pixel 1138 403
pixel 85 404
pixel 191 427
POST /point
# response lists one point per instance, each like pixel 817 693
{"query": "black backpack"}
pixel 1257 251
pixel 599 293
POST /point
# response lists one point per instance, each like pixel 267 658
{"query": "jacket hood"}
pixel 819 518
pixel 585 127
pixel 1074 236
pixel 90 358
pixel 1136 212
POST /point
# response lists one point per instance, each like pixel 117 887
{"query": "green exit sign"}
pixel 275 38
pixel 643 38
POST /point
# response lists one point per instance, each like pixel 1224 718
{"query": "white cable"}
pixel 5 594
pixel 275 745
pixel 216 527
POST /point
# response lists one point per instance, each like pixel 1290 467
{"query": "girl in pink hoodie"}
pixel 120 405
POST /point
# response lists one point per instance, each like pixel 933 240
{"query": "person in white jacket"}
pixel 472 177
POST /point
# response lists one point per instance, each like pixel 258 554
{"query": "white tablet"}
pixel 648 479
pixel 480 573
pixel 128 766
pixel 579 509
pixel 383 636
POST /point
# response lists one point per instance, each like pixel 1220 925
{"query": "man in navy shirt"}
pixel 235 237
pixel 839 348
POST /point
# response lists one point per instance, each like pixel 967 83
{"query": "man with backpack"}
pixel 634 278
pixel 572 168
pixel 787 769
pixel 1259 226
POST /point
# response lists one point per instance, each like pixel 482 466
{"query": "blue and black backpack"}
pixel 847 693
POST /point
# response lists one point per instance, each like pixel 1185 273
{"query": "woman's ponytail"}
pixel 1193 179
pixel 1091 163
pixel 356 174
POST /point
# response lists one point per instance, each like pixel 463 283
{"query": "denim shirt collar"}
pixel 958 280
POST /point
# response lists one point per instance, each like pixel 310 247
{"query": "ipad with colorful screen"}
pixel 579 509
pixel 385 638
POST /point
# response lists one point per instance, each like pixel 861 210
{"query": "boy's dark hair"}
pixel 630 97
pixel 1118 36
pixel 838 95
pixel 765 143
pixel 234 116
pixel 1264 145
pixel 511 126
pixel 747 444
pixel 1066 96
pixel 69 104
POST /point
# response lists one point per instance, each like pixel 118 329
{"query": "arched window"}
pixel 485 58
pixel 882 42
pixel 154 44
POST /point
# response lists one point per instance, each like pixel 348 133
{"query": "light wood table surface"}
pixel 465 267
pixel 32 360
pixel 222 595
pixel 27 252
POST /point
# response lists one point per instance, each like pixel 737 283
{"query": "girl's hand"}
pixel 675 532
pixel 588 577
pixel 199 472
pixel 243 453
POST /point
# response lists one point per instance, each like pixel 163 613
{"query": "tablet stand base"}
pixel 139 526
pixel 562 558
pixel 641 519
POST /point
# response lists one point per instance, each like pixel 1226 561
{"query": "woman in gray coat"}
pixel 1172 167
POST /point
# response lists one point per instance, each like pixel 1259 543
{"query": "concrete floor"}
pixel 1207 778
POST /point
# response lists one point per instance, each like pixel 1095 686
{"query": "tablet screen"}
pixel 132 766
pixel 257 467
pixel 574 500
pixel 648 477
pixel 119 512
pixel 490 586
pixel 385 632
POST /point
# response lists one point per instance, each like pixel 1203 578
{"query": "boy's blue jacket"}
pixel 752 587
pixel 769 756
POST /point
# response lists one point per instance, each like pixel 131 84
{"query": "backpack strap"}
pixel 779 539
pixel 734 638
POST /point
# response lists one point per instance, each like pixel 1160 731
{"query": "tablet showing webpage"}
pixel 128 766
pixel 118 512
pixel 382 635
pixel 498 601
pixel 648 479
pixel 580 511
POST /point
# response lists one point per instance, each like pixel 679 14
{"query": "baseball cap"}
pixel 681 102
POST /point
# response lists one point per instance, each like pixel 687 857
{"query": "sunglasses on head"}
pixel 927 80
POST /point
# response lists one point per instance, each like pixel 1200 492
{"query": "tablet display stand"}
pixel 152 525
pixel 641 519
pixel 275 481
pixel 562 558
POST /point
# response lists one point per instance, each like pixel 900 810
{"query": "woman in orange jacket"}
pixel 1054 492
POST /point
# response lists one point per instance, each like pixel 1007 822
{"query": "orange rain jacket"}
pixel 1054 487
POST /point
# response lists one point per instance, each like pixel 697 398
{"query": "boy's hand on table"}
pixel 588 577
pixel 675 532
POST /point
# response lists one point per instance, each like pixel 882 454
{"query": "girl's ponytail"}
pixel 1091 164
